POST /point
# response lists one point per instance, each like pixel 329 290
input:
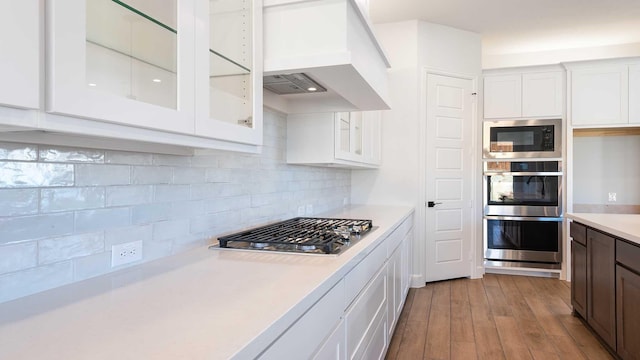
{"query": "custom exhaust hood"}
pixel 322 56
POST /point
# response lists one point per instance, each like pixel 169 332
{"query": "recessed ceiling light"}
pixel 311 89
pixel 157 80
pixel 92 84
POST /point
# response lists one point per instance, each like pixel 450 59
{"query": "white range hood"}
pixel 332 43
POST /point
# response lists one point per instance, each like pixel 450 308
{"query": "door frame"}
pixel 477 263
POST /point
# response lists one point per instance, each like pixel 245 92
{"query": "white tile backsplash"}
pixel 60 214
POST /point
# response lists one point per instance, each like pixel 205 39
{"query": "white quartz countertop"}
pixel 202 304
pixel 624 226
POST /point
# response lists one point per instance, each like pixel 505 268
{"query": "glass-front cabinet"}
pixel 181 66
pixel 357 136
pixel 229 70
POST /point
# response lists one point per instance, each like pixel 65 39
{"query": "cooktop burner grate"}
pixel 301 234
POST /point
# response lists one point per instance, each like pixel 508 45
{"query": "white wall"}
pixel 412 46
pixel 606 164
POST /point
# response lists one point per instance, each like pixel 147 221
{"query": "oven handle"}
pixel 525 218
pixel 513 173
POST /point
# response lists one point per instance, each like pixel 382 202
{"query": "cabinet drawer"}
pixel 308 332
pixel 628 255
pixel 361 319
pixel 357 278
pixel 578 232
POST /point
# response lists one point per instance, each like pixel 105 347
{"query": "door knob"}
pixel 432 204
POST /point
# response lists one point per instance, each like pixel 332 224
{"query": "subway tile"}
pixel 91 266
pixel 187 209
pixel 69 247
pixel 22 152
pixel 18 202
pixel 206 161
pixel 101 219
pixel 167 230
pixel 167 193
pixel 184 243
pixel 114 236
pixel 148 213
pixel 171 160
pixel 50 154
pixel 151 175
pixel 24 175
pixel 99 175
pixel 16 229
pixel 227 203
pixel 128 195
pixel 128 158
pixel 18 257
pixel 265 199
pixel 65 199
pixel 189 176
pixel 152 250
pixel 31 281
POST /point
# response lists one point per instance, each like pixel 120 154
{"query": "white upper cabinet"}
pixel 229 70
pixel 20 53
pixel 634 94
pixel 600 95
pixel 342 139
pixel 534 94
pixel 502 96
pixel 122 62
pixel 542 94
pixel 332 42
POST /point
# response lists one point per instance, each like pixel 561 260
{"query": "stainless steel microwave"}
pixel 512 139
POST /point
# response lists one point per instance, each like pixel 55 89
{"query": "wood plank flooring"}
pixel 497 317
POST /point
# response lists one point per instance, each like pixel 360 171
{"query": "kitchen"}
pixel 67 199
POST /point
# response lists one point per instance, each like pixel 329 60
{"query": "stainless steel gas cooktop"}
pixel 300 235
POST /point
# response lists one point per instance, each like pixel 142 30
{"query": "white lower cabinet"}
pixel 306 335
pixel 334 348
pixel 355 319
pixel 363 317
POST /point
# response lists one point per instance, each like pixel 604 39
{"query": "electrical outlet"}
pixel 309 209
pixel 345 201
pixel 612 197
pixel 301 210
pixel 126 253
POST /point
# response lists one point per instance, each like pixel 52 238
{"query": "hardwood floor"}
pixel 497 317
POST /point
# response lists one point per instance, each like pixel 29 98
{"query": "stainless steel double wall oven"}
pixel 522 191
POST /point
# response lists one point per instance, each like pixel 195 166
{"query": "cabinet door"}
pixel 128 63
pixel 229 70
pixel 599 96
pixel 20 54
pixel 579 278
pixel 334 347
pixel 394 288
pixel 542 94
pixel 634 94
pixel 601 289
pixel 502 96
pixel 628 313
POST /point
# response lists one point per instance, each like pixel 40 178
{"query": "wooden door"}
pixel 449 173
pixel 601 291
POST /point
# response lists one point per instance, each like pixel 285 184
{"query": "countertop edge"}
pixel 623 226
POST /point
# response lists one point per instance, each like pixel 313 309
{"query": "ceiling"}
pixel 522 26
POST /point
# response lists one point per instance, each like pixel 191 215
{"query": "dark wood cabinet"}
pixel 605 288
pixel 579 278
pixel 579 268
pixel 628 313
pixel 601 285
